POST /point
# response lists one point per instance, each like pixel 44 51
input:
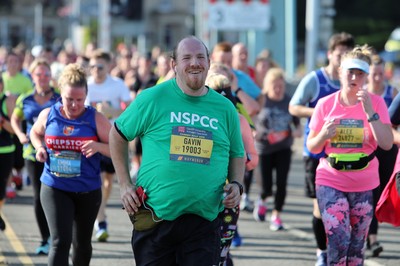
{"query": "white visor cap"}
pixel 353 63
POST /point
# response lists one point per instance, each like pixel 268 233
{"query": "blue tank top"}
pixel 31 110
pixel 388 95
pixel 66 167
pixel 325 87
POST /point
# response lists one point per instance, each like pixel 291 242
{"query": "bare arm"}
pixel 252 106
pixel 248 141
pixel 103 127
pixel 109 111
pixel 301 110
pixel 395 92
pixel 120 159
pixel 316 141
pixel 382 132
pixel 16 123
pixel 235 173
pixel 37 135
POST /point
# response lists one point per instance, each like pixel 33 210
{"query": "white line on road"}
pixel 16 244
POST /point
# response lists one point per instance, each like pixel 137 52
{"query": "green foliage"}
pixel 370 21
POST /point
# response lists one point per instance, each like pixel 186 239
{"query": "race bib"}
pixel 65 163
pixel 349 134
pixel 189 144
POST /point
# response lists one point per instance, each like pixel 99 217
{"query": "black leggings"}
pixel 6 165
pixel 71 218
pixel 248 179
pixel 280 161
pixel 18 163
pixel 35 170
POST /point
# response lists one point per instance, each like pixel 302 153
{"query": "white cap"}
pixel 353 63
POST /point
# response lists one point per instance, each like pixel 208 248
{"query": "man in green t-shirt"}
pixel 191 146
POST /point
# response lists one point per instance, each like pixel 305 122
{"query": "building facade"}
pixel 146 23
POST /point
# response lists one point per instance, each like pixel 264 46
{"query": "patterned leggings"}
pixel 229 218
pixel 346 217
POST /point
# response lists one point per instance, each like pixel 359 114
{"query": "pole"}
pixel 75 22
pixel 290 38
pixel 104 19
pixel 312 22
pixel 4 40
pixel 201 21
pixel 38 24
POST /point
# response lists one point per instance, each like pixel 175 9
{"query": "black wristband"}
pixel 239 185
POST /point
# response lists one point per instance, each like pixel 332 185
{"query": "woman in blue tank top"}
pixel 26 111
pixel 69 138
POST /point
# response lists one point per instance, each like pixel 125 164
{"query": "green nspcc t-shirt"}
pixel 187 142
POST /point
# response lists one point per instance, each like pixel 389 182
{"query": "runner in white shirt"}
pixel 110 96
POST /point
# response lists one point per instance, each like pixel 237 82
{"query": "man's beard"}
pixel 195 83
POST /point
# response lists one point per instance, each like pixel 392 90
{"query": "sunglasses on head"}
pixel 98 66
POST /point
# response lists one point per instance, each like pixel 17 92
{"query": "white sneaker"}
pixel 246 204
pixel 322 259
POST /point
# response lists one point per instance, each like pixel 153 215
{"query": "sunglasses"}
pixel 98 66
pixel 47 75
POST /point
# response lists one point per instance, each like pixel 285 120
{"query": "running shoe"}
pixel 2 224
pixel 43 249
pixel 10 192
pixel 246 204
pixel 17 181
pixel 322 259
pixel 376 249
pixel 276 224
pixel 102 234
pixel 229 261
pixel 237 240
pixel 260 212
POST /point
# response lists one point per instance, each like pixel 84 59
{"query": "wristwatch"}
pixel 239 185
pixel 374 117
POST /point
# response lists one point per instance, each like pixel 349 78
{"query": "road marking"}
pixel 2 259
pixel 372 263
pixel 299 233
pixel 16 244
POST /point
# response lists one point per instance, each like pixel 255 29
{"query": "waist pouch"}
pixel 144 219
pixel 349 162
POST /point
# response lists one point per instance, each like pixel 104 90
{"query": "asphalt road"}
pixel 293 246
